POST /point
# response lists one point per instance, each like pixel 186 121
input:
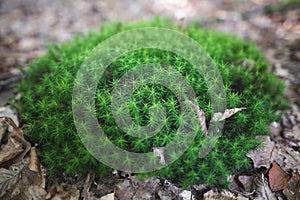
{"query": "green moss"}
pixel 46 97
pixel 283 6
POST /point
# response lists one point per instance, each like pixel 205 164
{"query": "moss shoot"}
pixel 46 104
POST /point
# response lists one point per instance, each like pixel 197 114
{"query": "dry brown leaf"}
pixel 63 192
pixel 31 177
pixel 35 166
pixel 16 147
pixel 201 118
pixel 10 150
pixel 246 182
pixel 17 134
pixel 224 195
pixel 7 179
pixel 216 117
pixel 36 193
pixel 262 189
pixel 262 157
pixel 3 129
pixel 227 113
pixel 20 185
pixel 292 192
pixel 278 178
pixel 133 188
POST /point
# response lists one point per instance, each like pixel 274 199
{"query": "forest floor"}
pixel 27 27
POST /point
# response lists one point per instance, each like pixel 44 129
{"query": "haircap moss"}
pixel 46 104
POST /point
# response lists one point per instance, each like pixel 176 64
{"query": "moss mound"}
pixel 46 103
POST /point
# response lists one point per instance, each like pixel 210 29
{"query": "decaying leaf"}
pixel 36 193
pixel 7 179
pixel 160 152
pixel 10 151
pixel 246 182
pixel 16 146
pixel 262 189
pixel 3 129
pixel 278 178
pixel 150 188
pixel 262 157
pixel 110 196
pixel 227 113
pixel 20 187
pixel 201 118
pixel 216 117
pixel 223 195
pixel 35 166
pixel 292 191
pixel 62 192
pixel 8 112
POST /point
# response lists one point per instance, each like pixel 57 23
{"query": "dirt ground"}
pixel 28 26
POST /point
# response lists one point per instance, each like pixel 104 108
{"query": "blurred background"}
pixel 28 26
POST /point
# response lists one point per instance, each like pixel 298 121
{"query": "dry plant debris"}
pixel 278 178
pixel 13 145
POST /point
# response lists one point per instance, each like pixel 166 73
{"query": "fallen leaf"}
pixel 246 182
pixel 216 117
pixel 10 150
pixel 62 192
pixel 223 195
pixel 35 166
pixel 7 179
pixel 110 196
pixel 36 193
pixel 3 129
pixel 16 147
pixel 292 191
pixel 262 189
pixel 278 178
pixel 8 112
pixel 133 188
pixel 262 157
pixel 201 118
pixel 226 114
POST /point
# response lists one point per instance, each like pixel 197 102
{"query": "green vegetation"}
pixel 46 98
pixel 283 6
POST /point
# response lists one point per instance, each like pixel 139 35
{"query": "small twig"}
pixel 88 182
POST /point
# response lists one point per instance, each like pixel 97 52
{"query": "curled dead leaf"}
pixel 278 178
pixel 16 147
pixel 226 114
pixel 262 157
pixel 201 118
pixel 62 192
pixel 262 189
pixel 292 191
pixel 246 182
pixel 216 117
pixel 35 166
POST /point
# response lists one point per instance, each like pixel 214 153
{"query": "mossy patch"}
pixel 283 6
pixel 46 103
